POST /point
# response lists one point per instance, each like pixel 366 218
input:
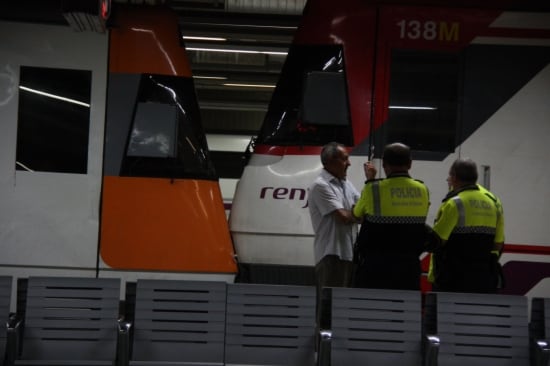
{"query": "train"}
pixel 450 79
pixel 107 169
pixel 105 165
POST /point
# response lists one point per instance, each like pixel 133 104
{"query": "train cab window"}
pixel 423 102
pixel 287 122
pixel 54 120
pixel 166 138
pixel 154 131
pixel 325 101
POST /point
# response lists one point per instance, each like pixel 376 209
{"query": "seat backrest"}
pixel 480 329
pixel 540 318
pixel 179 322
pixel 270 325
pixel 375 327
pixel 21 297
pixel 71 318
pixel 539 331
pixel 5 304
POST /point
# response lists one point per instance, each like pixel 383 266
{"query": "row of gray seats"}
pixel 213 323
pixel 388 327
pixel 80 321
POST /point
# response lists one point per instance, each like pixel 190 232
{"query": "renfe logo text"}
pixel 284 193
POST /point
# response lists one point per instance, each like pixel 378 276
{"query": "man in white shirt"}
pixel 330 200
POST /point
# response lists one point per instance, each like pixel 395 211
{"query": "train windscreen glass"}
pixel 283 124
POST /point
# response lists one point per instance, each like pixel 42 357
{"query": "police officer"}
pixel 468 234
pixel 393 232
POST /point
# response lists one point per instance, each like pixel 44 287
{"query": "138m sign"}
pixel 428 30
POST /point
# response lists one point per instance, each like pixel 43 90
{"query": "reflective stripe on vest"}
pixel 461 212
pixel 461 227
pixel 376 198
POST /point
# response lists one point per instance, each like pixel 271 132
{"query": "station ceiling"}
pixel 251 38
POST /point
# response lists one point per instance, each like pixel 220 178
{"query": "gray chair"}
pixel 539 329
pixel 5 304
pixel 372 327
pixel 270 325
pixel 70 321
pixel 179 323
pixel 476 329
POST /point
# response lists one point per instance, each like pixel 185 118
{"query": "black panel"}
pixel 466 89
pixel 423 103
pixel 276 274
pixel 228 164
pixel 492 75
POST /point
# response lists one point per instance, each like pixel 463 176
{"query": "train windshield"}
pixel 166 138
pixel 289 122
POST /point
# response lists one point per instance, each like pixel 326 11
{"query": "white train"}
pixel 463 79
pixel 121 182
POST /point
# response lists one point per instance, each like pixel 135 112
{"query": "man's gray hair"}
pixel 465 170
pixel 329 152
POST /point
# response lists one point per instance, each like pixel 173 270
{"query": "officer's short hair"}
pixel 330 151
pixel 397 154
pixel 465 170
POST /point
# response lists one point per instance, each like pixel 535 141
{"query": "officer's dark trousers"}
pixel 467 277
pixel 381 270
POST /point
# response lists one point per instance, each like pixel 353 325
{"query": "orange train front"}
pixel 161 206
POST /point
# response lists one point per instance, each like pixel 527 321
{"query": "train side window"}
pixel 54 120
pixel 423 103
